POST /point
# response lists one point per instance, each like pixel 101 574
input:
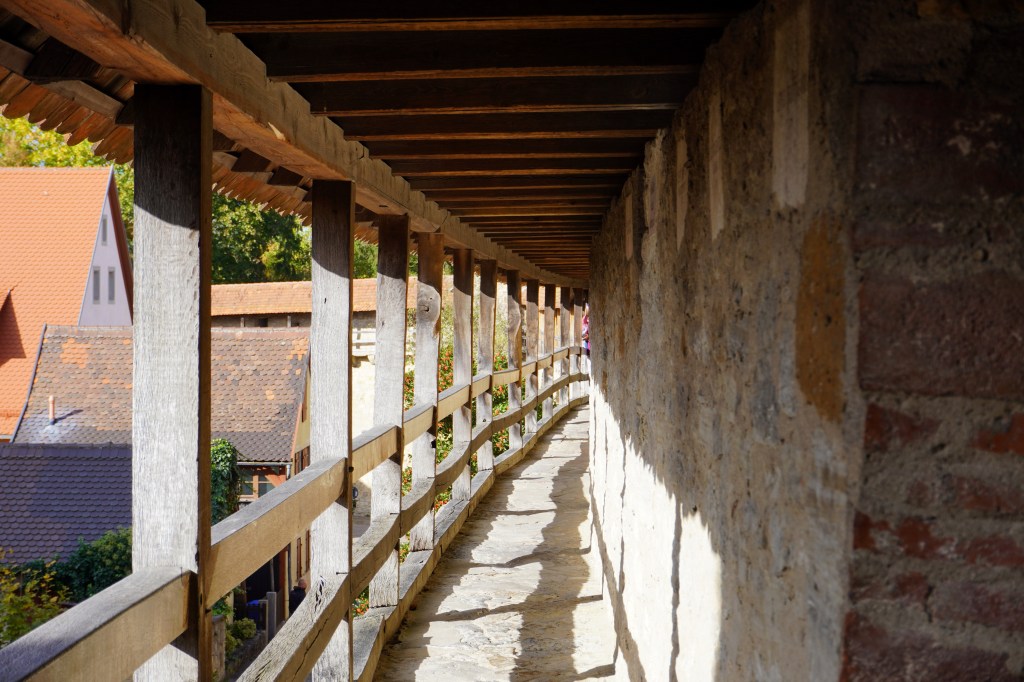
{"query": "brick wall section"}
pixel 937 577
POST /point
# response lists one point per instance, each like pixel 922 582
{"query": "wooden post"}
pixel 462 369
pixel 171 371
pixel 577 334
pixel 515 352
pixel 564 338
pixel 532 339
pixel 430 246
pixel 549 343
pixel 485 356
pixel 330 396
pixel 392 280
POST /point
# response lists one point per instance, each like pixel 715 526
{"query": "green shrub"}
pixel 97 565
pixel 28 598
pixel 225 481
pixel 243 629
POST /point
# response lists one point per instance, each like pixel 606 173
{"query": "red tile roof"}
pixel 285 298
pixel 258 386
pixel 49 218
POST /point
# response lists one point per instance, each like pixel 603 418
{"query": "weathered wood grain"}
pixel 372 551
pixel 171 371
pixel 371 447
pixel 462 361
pixel 392 281
pixel 303 641
pixel 564 338
pixel 417 420
pixel 430 247
pixel 331 397
pixel 515 351
pixel 450 399
pixel 107 636
pixel 485 359
pixel 506 376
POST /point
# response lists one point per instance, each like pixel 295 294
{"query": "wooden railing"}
pixel 111 634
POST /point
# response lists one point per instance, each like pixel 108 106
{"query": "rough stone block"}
pixel 1008 438
pixel 886 428
pixel 963 337
pixel 982 603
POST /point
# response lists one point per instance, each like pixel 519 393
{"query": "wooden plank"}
pixel 532 346
pixel 506 376
pixel 107 636
pixel 172 44
pixel 246 540
pixel 452 148
pixel 171 367
pixel 372 447
pixel 303 640
pixel 642 124
pixel 450 399
pixel 430 247
pixel 386 500
pixel 548 194
pixel 498 95
pixel 564 339
pixel 417 503
pixel 515 360
pixel 462 361
pixel 425 168
pixel 372 551
pixel 548 345
pixel 485 361
pixel 323 57
pixel 330 416
pixel 520 182
pixel 481 384
pixel 544 362
pixel 322 15
pixel 417 419
pixel 451 469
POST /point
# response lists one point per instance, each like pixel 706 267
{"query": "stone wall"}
pixel 830 329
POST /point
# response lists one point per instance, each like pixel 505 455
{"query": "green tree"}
pixel 96 565
pixel 28 598
pixel 225 481
pixel 250 245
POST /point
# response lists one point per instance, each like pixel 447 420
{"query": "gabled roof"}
pixel 258 386
pixel 49 218
pixel 55 494
pixel 291 298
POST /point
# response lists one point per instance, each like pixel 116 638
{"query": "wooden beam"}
pixel 426 168
pixel 564 337
pixel 271 119
pixel 636 125
pixel 454 148
pixel 515 350
pixel 430 248
pixel 547 375
pixel 239 16
pixel 462 362
pixel 330 408
pixel 171 369
pixel 389 381
pixel 498 95
pixel 326 57
pixel 532 344
pixel 471 214
pixel 54 61
pixel 485 356
pixel 520 182
pixel 480 195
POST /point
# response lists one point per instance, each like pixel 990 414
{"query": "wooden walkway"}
pixel 518 594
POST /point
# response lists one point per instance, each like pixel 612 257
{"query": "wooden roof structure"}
pixel 508 127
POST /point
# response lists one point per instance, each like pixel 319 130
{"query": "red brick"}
pixel 885 428
pixel 905 588
pixel 974 494
pixel 920 145
pixel 1006 440
pixel 920 494
pixel 864 529
pixel 979 603
pixel 872 653
pixel 994 550
pixel 963 337
pixel 917 540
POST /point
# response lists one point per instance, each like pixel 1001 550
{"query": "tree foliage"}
pixel 96 565
pixel 225 481
pixel 28 598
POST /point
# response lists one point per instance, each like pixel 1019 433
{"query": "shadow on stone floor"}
pixel 515 597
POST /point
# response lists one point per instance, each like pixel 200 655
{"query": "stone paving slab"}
pixel 518 595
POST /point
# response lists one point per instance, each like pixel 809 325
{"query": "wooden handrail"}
pixel 417 420
pixel 449 400
pixel 372 447
pixel 108 635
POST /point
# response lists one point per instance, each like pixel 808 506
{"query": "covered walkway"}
pixel 518 595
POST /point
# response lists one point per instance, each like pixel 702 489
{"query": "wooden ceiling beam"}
pixel 241 16
pixel 550 194
pixel 497 95
pixel 641 125
pixel 520 182
pixel 549 148
pixel 497 167
pixel 342 57
pixel 471 214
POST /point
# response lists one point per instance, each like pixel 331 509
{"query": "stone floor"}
pixel 518 595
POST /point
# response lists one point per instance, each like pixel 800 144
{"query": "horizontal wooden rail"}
pixel 544 362
pixel 244 541
pixel 417 420
pixel 505 377
pixel 453 398
pixel 295 649
pixel 372 447
pixel 481 384
pixel 107 636
pixel 372 548
pixel 528 369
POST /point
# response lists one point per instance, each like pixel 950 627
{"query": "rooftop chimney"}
pixel 53 410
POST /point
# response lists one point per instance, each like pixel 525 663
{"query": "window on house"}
pixel 265 486
pixel 95 285
pixel 246 488
pixel 103 230
pixel 263 322
pixel 111 276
